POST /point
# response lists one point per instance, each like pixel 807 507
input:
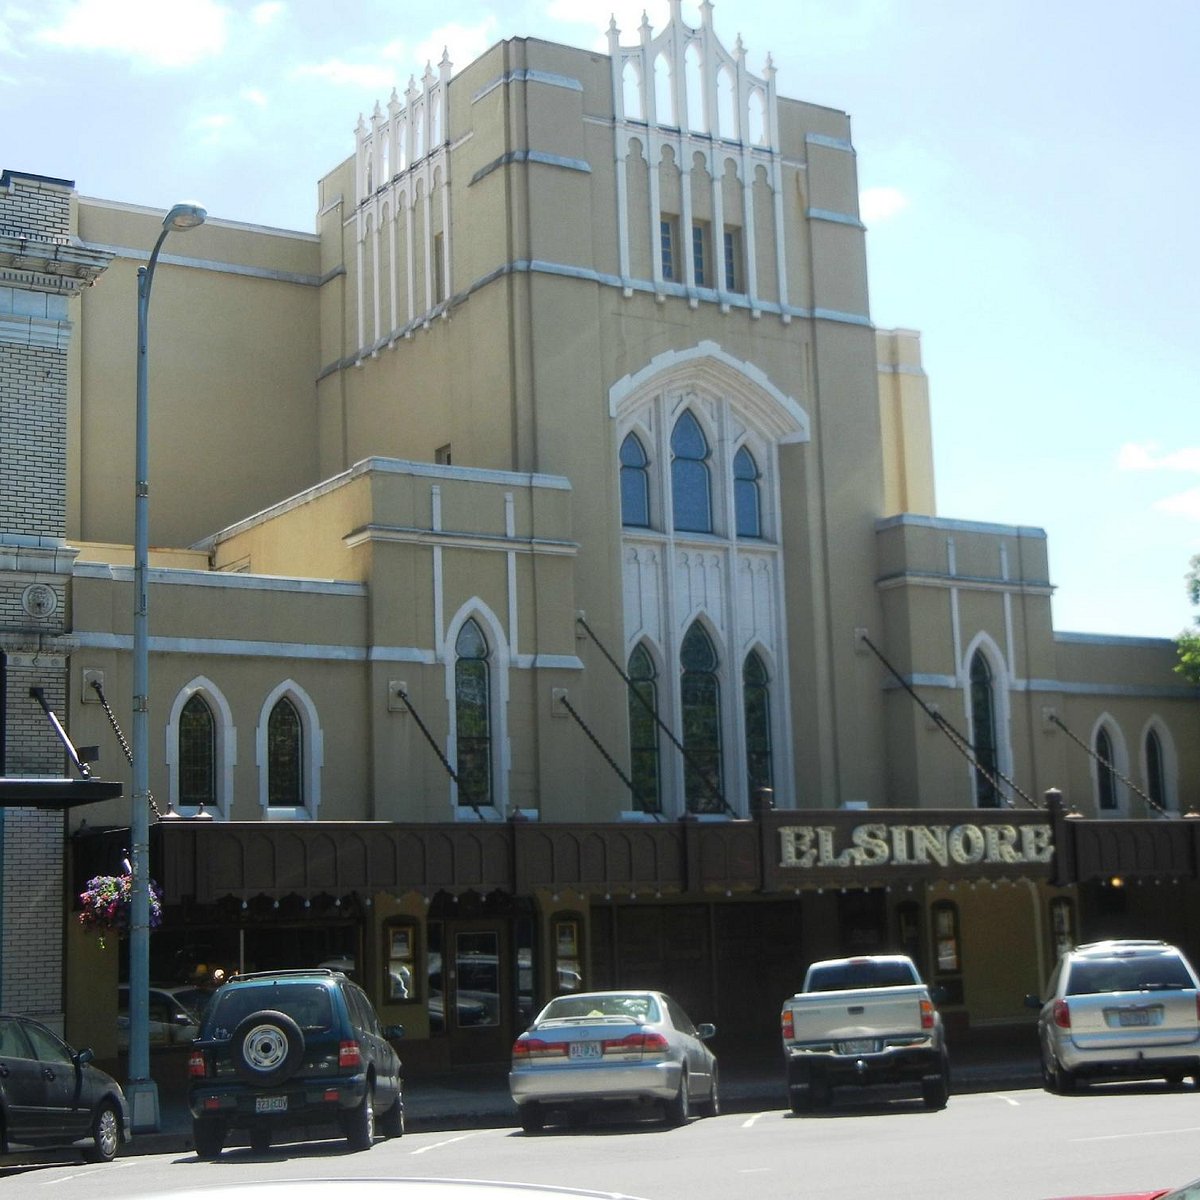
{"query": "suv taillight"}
pixel 787 1024
pixel 1062 1014
pixel 926 1014
pixel 197 1066
pixel 349 1054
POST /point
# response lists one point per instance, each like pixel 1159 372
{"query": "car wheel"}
pixel 1175 1079
pixel 268 1048
pixel 799 1099
pixel 679 1109
pixel 391 1122
pixel 260 1138
pixel 935 1091
pixel 531 1117
pixel 208 1136
pixel 106 1134
pixel 712 1106
pixel 1064 1080
pixel 577 1116
pixel 1049 1081
pixel 360 1123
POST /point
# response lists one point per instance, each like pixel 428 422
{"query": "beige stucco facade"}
pixel 365 438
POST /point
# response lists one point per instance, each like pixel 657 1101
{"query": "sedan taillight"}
pixel 349 1054
pixel 527 1048
pixel 1062 1014
pixel 649 1043
pixel 197 1065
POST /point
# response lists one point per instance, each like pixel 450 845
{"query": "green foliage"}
pixel 1188 642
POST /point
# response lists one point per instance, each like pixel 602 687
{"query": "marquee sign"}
pixel 874 844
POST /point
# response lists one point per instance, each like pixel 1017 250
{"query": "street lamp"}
pixel 143 1092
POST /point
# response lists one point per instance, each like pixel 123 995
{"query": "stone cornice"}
pixel 45 264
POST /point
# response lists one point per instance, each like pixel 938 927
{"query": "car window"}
pixel 369 1020
pixel 679 1018
pixel 1089 977
pixel 306 1003
pixel 869 973
pixel 13 1043
pixel 634 1007
pixel 46 1047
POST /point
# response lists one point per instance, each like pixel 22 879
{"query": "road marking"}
pixel 748 1123
pixel 107 1168
pixel 1116 1137
pixel 448 1142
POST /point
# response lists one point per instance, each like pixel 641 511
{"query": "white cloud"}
pixel 145 31
pixel 268 13
pixel 1134 456
pixel 881 203
pixel 344 74
pixel 1185 504
pixel 463 43
pixel 254 96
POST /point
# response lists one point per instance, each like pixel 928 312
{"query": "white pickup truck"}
pixel 863 1021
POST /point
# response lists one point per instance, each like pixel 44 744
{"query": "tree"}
pixel 1188 642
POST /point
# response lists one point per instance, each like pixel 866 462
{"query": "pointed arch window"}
pixel 700 696
pixel 473 715
pixel 756 701
pixel 747 510
pixel 643 732
pixel 197 755
pixel 1106 784
pixel 691 486
pixel 635 483
pixel 983 732
pixel 285 756
pixel 1156 776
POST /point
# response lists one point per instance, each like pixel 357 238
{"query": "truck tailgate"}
pixel 842 1016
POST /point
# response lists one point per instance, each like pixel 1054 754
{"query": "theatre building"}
pixel 547 589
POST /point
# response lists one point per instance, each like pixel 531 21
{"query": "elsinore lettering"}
pixel 876 845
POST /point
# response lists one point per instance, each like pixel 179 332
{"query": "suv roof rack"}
pixel 287 972
pixel 1112 945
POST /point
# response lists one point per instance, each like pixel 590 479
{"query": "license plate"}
pixel 1135 1016
pixel 270 1104
pixel 584 1050
pixel 858 1046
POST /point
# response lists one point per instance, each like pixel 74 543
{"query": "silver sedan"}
pixel 589 1049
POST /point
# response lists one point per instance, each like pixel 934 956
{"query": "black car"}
pixel 288 1049
pixel 51 1095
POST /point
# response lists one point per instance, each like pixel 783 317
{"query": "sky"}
pixel 1028 171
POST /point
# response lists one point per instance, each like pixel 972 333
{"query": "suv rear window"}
pixel 1158 973
pixel 866 974
pixel 306 1003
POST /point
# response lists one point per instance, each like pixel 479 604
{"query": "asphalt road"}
pixel 1016 1145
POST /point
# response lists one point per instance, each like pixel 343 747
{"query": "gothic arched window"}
pixel 747 509
pixel 1106 784
pixel 700 695
pixel 983 732
pixel 1156 776
pixel 691 499
pixel 635 482
pixel 197 754
pixel 756 702
pixel 473 715
pixel 285 756
pixel 643 732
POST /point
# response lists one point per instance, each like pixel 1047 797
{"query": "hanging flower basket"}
pixel 108 901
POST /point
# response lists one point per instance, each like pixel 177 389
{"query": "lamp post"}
pixel 143 1093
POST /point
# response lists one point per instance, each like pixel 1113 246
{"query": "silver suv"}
pixel 1119 1009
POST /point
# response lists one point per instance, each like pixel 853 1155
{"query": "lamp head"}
pixel 184 216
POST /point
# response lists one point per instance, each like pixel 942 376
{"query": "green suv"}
pixel 285 1049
